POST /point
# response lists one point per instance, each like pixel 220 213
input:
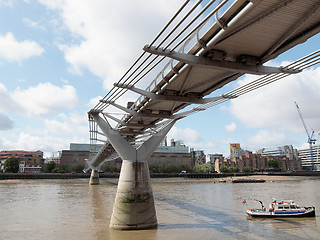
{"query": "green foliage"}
pixel 273 164
pixel 203 168
pixel 58 169
pixel 73 168
pixel 109 167
pixel 245 169
pixel 225 169
pixel 50 166
pixel 168 168
pixel 11 165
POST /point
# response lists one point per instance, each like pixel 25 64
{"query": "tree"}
pixel 58 169
pixel 224 169
pixel 109 167
pixel 50 166
pixel 74 167
pixel 273 164
pixel 245 170
pixel 11 165
pixel 168 168
pixel 203 168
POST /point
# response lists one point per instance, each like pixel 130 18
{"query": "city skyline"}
pixel 57 59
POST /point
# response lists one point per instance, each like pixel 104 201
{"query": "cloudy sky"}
pixel 58 57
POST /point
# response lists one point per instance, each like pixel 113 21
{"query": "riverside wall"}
pixel 5 176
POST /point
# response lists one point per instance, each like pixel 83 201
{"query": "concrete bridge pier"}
pixel 134 203
pixel 94 178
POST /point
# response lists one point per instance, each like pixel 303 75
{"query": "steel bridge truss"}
pixel 197 52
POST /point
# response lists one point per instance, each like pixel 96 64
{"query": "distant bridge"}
pixel 201 49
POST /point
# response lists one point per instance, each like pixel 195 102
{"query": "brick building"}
pixel 286 156
pixel 30 157
pixel 69 157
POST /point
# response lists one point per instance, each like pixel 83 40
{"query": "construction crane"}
pixel 311 140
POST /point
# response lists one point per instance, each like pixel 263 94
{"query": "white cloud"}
pixel 56 134
pixel 46 98
pixel 33 24
pixel 189 136
pixel 93 101
pixel 273 106
pixel 6 122
pixel 111 34
pixel 231 127
pixel 7 3
pixel 53 4
pixel 12 50
pixel 194 139
pixel 29 142
pixel 7 103
pixel 68 125
pixel 41 100
pixel 267 138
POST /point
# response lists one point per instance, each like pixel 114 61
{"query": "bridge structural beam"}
pixel 220 64
pixel 134 203
pixel 170 98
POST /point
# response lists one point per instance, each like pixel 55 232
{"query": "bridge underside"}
pixel 240 41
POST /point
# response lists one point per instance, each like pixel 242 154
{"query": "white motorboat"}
pixel 284 208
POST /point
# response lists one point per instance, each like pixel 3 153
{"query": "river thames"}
pixel 186 209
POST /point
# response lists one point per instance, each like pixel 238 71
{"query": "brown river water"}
pixel 186 209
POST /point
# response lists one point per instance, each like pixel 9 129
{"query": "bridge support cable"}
pixel 297 66
pixel 146 64
pixel 134 204
pixel 192 65
pixel 114 92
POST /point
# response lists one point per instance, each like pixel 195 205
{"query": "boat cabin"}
pixel 284 206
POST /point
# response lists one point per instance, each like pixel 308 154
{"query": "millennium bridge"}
pixel 203 47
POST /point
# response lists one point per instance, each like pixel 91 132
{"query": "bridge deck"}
pixel 248 34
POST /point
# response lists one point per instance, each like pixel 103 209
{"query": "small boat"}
pixel 222 180
pixel 286 208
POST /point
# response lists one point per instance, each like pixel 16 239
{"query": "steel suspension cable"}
pixel 114 89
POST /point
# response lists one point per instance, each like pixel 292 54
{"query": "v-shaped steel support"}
pixel 124 149
pixel 134 204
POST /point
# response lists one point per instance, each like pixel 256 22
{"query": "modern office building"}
pixel 198 157
pixel 176 153
pixel 306 159
pixel 213 157
pixel 284 151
